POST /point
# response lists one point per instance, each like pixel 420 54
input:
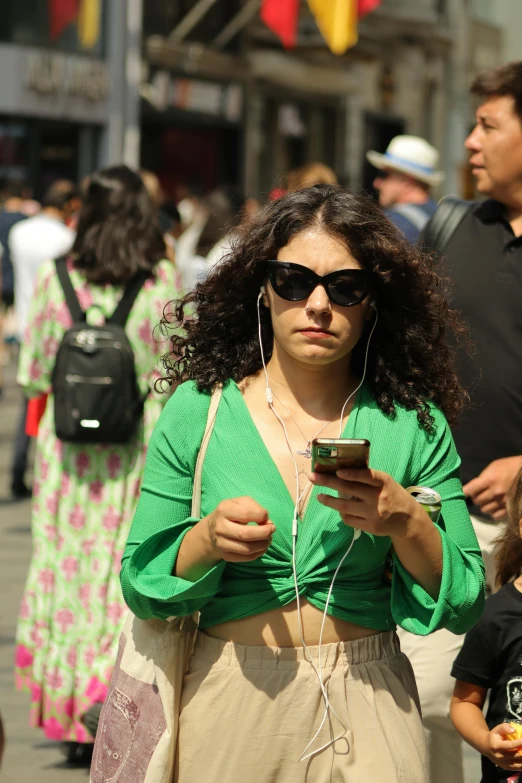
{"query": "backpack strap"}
pixel 77 314
pixel 211 418
pixel 126 302
pixel 449 215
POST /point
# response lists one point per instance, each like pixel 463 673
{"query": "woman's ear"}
pixel 372 310
pixel 264 297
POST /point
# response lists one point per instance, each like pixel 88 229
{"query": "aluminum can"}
pixel 431 503
pixel 429 500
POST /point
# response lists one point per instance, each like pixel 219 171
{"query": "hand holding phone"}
pixel 331 454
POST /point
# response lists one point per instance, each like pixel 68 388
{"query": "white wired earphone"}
pixel 298 496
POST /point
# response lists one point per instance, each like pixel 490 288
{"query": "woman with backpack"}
pixel 321 323
pixel 98 362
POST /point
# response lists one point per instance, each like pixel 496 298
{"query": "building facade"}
pixel 201 92
pixel 53 93
pixel 222 101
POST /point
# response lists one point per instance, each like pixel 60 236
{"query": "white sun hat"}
pixel 409 155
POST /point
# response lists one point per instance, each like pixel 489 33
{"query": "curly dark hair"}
pixel 118 232
pixel 508 544
pixel 409 361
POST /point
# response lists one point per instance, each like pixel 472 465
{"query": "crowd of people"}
pixel 331 607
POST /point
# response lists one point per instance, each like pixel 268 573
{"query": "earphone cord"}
pixel 356 535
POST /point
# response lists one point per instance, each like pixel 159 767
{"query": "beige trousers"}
pixel 248 713
pixel 432 658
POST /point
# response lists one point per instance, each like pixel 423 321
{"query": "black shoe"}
pixel 91 718
pixel 20 490
pixel 77 753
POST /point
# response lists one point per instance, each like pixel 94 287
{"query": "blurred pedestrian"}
pixel 40 238
pixel 171 227
pixel 488 668
pixel 153 185
pixel 31 243
pixel 84 495
pixel 241 208
pixel 10 215
pixel 408 171
pixel 168 215
pixel 213 218
pixel 483 258
pixel 308 175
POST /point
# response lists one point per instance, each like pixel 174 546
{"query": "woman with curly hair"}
pixel 297 672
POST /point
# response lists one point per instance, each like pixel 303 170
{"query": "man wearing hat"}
pixel 408 171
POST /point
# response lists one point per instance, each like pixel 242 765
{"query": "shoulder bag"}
pixel 138 727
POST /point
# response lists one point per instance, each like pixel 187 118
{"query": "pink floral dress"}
pixel 84 498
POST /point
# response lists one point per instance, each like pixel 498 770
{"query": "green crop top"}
pixel 237 464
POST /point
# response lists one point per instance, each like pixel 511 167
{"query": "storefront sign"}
pixel 220 100
pixel 61 74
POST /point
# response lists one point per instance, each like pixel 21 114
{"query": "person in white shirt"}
pixel 31 243
pixel 44 236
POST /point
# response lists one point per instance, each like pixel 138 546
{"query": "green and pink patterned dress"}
pixel 84 497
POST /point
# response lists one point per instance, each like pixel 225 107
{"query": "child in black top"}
pixel 491 662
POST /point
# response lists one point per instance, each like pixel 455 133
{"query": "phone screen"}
pixel 329 455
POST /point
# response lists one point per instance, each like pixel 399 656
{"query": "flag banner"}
pixel 89 23
pixel 367 6
pixel 62 13
pixel 281 16
pixel 337 21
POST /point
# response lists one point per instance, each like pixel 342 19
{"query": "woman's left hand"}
pixel 373 501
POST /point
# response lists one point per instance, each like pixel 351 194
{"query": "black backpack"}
pixel 96 393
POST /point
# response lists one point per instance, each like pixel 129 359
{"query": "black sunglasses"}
pixel 294 282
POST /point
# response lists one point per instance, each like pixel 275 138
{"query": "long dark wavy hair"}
pixel 508 544
pixel 409 360
pixel 118 232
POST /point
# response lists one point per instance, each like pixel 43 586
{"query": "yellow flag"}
pixel 89 23
pixel 337 21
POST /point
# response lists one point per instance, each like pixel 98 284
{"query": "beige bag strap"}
pixel 211 418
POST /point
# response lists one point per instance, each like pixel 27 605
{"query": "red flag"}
pixel 366 6
pixel 281 17
pixel 62 13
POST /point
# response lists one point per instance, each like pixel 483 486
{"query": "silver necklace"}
pixel 308 451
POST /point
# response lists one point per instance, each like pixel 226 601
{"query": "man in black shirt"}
pixel 483 260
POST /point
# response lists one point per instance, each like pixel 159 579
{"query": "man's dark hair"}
pixel 504 80
pixel 58 195
pixel 118 232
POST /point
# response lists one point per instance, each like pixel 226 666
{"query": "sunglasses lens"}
pixel 348 289
pixel 291 284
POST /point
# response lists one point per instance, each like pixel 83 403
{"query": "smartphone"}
pixel 331 454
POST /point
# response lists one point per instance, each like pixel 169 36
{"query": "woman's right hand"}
pixel 502 751
pixel 231 538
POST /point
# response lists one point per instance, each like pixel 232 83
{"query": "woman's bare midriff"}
pixel 279 628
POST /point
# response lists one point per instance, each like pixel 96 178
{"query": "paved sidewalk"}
pixel 29 756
